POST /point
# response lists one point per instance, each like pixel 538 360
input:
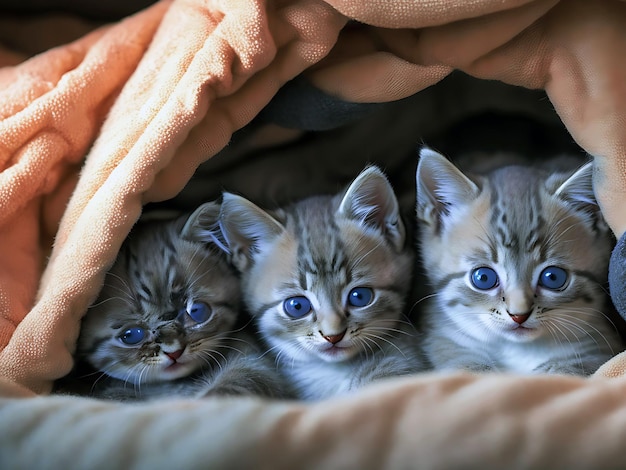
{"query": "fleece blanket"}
pixel 127 114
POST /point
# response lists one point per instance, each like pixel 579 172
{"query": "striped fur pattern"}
pixel 517 259
pixel 326 279
pixel 165 321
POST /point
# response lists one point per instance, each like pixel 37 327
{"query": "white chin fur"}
pixel 337 354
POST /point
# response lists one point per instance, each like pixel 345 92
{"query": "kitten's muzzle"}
pixel 519 318
pixel 174 355
pixel 334 339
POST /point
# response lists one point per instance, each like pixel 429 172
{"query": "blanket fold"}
pixel 436 422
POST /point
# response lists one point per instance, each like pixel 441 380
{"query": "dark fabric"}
pixel 300 105
pixel 108 10
pixel 617 276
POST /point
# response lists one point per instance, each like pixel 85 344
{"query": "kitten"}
pixel 518 261
pixel 165 322
pixel 326 279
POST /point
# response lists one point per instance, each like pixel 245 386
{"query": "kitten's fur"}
pixel 517 221
pixel 167 271
pixel 323 248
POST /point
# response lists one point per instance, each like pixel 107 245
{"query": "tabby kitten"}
pixel 165 321
pixel 518 260
pixel 326 279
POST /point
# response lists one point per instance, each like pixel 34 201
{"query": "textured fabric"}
pixel 617 276
pixel 94 129
pixel 431 422
pixel 617 279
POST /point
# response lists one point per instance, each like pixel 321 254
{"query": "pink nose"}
pixel 335 338
pixel 175 354
pixel 519 319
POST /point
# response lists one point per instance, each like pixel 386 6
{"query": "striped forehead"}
pixel 322 262
pixel 517 221
pixel 321 252
pixel 155 274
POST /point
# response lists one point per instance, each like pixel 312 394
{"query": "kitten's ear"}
pixel 578 188
pixel 202 225
pixel 246 229
pixel 440 185
pixel 370 200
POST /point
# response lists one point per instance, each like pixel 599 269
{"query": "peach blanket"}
pixel 92 130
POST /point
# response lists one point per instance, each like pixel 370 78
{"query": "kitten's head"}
pixel 516 254
pixel 167 303
pixel 326 277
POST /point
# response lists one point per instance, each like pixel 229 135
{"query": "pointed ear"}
pixel 578 188
pixel 440 185
pixel 247 229
pixel 202 225
pixel 371 201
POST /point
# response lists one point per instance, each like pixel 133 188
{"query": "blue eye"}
pixel 553 278
pixel 297 307
pixel 484 278
pixel 360 296
pixel 200 312
pixel 133 336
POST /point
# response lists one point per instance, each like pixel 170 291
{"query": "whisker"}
pixel 417 302
pixel 365 346
pixel 361 257
pixel 388 342
pixel 566 320
pixel 232 348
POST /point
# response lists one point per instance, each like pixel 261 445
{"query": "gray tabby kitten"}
pixel 165 323
pixel 518 260
pixel 326 279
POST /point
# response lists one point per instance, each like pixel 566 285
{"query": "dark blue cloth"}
pixel 300 105
pixel 617 276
